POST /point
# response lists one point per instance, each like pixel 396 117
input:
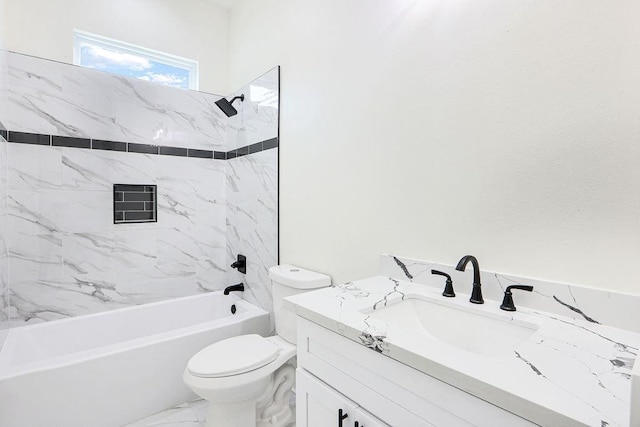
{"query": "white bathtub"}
pixel 111 368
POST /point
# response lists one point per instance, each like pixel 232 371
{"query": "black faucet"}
pixel 448 288
pixel 241 264
pixel 507 301
pixel 239 287
pixel 476 293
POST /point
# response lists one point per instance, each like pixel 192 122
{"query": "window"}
pixel 112 56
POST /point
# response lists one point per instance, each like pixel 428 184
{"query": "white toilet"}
pixel 248 379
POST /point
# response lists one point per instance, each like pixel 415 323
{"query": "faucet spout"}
pixel 476 293
pixel 239 287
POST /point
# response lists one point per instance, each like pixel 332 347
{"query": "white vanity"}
pixel 386 351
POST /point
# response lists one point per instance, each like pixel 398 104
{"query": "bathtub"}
pixel 111 368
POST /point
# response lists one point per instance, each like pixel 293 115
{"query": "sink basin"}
pixel 486 334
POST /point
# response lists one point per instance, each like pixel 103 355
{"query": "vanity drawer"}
pixel 395 393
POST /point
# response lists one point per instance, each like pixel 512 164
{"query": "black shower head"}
pixel 226 106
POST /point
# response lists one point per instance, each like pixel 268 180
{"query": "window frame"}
pixel 190 65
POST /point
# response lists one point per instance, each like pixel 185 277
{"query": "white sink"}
pixel 486 334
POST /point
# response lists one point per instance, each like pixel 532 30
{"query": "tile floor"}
pixel 188 414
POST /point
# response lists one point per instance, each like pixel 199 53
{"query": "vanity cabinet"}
pixel 319 405
pixel 335 373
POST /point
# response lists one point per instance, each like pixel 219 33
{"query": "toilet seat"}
pixel 233 356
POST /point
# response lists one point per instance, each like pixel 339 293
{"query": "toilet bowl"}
pixel 237 374
pixel 248 379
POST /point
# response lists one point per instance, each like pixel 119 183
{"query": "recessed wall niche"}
pixel 134 203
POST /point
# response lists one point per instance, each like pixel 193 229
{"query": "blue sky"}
pixel 130 65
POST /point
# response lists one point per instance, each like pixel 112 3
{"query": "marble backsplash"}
pixel 578 302
pixel 53 98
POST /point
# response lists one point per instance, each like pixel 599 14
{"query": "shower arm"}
pixel 240 97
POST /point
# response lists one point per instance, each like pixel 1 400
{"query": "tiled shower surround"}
pixel 66 255
pixel 252 222
pixel 54 98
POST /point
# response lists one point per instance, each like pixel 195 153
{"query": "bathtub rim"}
pixel 13 371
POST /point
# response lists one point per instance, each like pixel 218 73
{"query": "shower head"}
pixel 226 106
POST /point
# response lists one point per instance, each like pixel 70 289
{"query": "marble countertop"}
pixel 568 372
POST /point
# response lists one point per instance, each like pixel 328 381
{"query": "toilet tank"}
pixel 287 280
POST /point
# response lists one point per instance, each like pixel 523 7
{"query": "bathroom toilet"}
pixel 248 379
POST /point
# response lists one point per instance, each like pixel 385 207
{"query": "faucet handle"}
pixel 507 301
pixel 448 288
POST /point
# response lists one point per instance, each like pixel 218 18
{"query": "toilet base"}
pixel 274 410
pixel 269 410
pixel 241 414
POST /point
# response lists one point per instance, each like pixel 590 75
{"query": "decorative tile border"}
pixel 253 148
pixel 130 147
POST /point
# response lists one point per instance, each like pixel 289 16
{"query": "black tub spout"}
pixel 239 287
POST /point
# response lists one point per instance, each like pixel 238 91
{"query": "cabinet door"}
pixel 318 405
pixel 365 419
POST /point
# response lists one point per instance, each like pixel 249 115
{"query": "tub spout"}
pixel 239 287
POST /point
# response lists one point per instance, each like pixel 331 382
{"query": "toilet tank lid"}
pixel 298 278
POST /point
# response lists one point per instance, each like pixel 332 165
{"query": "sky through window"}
pixel 135 62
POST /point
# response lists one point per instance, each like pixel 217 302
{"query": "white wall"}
pixel 432 129
pixel 194 29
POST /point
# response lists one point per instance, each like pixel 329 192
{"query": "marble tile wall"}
pixel 252 222
pixel 68 258
pixel 60 99
pixel 575 301
pixel 252 188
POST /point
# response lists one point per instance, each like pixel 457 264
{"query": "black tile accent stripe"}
pixel 173 151
pixel 29 138
pixel 142 148
pixel 134 203
pixel 270 143
pixel 255 148
pixel 242 151
pixel 267 144
pixel 99 144
pixel 66 141
pixel 202 154
pixel 131 147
